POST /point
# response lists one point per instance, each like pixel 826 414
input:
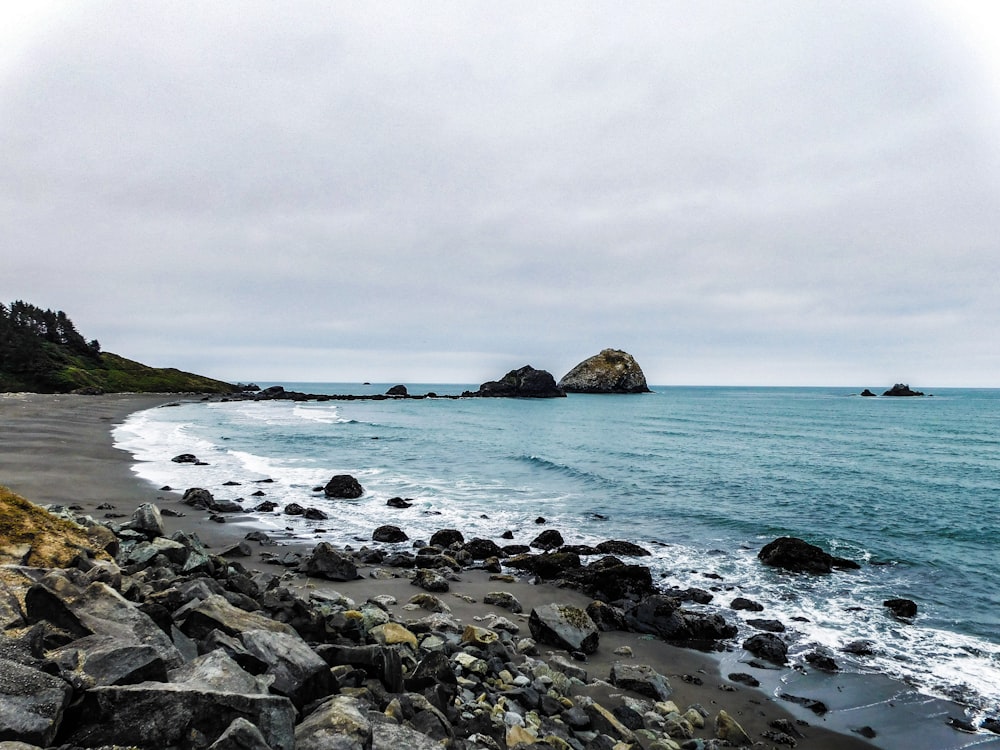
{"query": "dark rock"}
pixel 32 704
pixel 901 389
pixel 508 534
pixel 259 537
pixel 298 673
pixel 641 679
pixel 548 540
pixel 747 605
pixel 623 548
pixel 580 549
pixel 606 616
pixel 482 549
pixel 611 371
pixel 343 486
pixel 315 514
pixel 860 648
pixel 326 562
pixel 867 393
pixel 428 580
pixel 267 506
pixel 564 626
pixel 609 580
pixel 397 390
pixel 629 717
pixel 444 538
pixel 549 565
pixel 904 609
pixel 866 731
pixel 198 497
pixel 799 556
pixel 771 626
pixel 185 458
pixel 767 646
pixel 526 382
pixel 170 715
pixel 294 509
pixel 540 520
pixel 744 679
pixel 240 735
pixel 817 707
pixel 399 502
pixel 389 534
pixel 822 661
pixel 661 615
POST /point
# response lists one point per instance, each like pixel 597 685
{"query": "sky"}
pixel 736 193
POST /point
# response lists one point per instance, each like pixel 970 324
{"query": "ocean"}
pixel 701 476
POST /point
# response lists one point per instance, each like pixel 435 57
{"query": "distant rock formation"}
pixel 527 382
pixel 867 393
pixel 611 371
pixel 901 389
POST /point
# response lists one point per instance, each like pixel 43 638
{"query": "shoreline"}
pixel 58 449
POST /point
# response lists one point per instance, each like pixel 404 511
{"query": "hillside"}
pixel 41 351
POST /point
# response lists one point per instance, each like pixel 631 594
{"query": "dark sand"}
pixel 58 449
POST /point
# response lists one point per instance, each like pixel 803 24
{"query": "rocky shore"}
pixel 154 641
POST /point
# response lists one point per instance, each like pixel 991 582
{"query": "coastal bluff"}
pixel 610 371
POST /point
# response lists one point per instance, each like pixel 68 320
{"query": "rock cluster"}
pixel 169 646
pixel 901 389
pixel 610 371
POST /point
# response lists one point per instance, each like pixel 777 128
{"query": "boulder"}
pixel 199 618
pixel 610 580
pixel 146 520
pixel 326 562
pixel 444 538
pixel 399 502
pixel 428 580
pixel 904 609
pixel 482 549
pixel 389 534
pixel 662 616
pixel 623 548
pixel 729 731
pixel 564 626
pixel 299 674
pixel 526 382
pixel 867 393
pixel 32 704
pixel 171 715
pixel 767 646
pixel 241 735
pixel 642 679
pixel 548 540
pixel 106 660
pixel 343 486
pixel 340 723
pixel 610 371
pixel 397 390
pixel 799 556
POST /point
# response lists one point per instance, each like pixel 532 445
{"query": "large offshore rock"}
pixel 526 382
pixel 31 703
pixel 611 371
pixel 564 626
pixel 175 715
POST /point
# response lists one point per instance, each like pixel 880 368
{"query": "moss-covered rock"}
pixel 611 371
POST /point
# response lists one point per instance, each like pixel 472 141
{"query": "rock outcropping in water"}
pixel 526 382
pixel 611 371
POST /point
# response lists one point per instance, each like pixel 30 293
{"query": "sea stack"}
pixel 611 371
pixel 526 382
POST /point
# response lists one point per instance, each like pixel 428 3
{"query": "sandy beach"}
pixel 58 449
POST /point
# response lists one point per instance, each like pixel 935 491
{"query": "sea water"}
pixel 702 477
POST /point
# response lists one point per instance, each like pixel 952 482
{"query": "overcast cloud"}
pixel 735 192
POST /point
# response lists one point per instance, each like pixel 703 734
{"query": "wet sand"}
pixel 58 449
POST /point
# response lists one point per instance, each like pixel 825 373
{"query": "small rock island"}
pixel 526 382
pixel 611 371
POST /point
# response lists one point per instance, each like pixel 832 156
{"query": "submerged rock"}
pixel 611 371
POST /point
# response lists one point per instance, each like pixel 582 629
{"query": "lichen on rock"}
pixel 611 371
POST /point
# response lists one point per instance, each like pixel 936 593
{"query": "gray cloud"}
pixel 773 192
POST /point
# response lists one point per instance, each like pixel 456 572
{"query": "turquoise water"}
pixel 703 476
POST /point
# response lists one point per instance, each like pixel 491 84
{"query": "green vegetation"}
pixel 41 351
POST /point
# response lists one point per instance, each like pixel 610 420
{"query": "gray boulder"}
pixel 32 703
pixel 610 371
pixel 298 672
pixel 106 660
pixel 564 626
pixel 327 562
pixel 389 736
pixel 241 735
pixel 172 715
pixel 340 723
pixel 147 520
pixel 641 679
pixel 199 618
